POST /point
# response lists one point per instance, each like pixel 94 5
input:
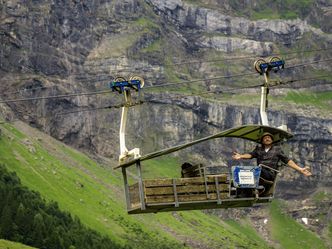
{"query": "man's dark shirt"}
pixel 270 158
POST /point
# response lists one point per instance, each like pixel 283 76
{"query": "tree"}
pixel 38 231
pixel 6 223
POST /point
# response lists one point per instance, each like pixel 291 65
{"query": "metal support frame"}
pixel 175 193
pixel 264 105
pixel 140 185
pixel 262 67
pixel 264 101
pixel 218 190
pixel 124 152
pixel 206 186
pixel 126 187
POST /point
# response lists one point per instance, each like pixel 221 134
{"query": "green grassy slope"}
pixel 94 193
pixel 5 244
pixel 291 234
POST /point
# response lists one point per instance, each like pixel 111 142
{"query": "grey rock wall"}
pixel 59 47
pixel 171 123
pixel 189 16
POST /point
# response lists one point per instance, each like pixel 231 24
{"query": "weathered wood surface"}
pixel 228 203
pixel 191 194
pixel 184 198
pixel 134 194
pixel 186 190
pixel 185 181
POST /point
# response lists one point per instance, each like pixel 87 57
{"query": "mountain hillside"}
pixel 57 59
pixel 196 58
pixel 93 193
pixel 55 48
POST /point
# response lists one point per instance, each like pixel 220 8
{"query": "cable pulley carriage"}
pixel 120 84
pixel 210 188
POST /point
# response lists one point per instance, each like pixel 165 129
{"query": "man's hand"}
pixel 306 171
pixel 236 156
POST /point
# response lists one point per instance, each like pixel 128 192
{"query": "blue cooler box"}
pixel 246 176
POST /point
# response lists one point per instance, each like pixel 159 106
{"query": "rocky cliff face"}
pixel 56 47
pixel 195 117
pixel 52 48
pixel 220 27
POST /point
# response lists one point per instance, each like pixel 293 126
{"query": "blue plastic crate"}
pixel 246 176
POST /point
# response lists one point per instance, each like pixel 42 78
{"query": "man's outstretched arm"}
pixel 238 156
pixel 305 171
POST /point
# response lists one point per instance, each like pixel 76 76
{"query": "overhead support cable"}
pixel 308 63
pixel 154 86
pixel 229 76
pixel 188 62
pixel 55 96
pixel 178 96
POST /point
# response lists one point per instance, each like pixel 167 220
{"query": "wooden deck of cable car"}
pixel 162 195
pixel 227 203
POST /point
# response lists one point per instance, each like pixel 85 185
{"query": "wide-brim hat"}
pixel 267 134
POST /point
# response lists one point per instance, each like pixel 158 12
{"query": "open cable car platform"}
pixel 176 194
pixel 208 189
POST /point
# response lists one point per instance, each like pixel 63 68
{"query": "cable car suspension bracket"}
pixel 263 68
pixel 123 86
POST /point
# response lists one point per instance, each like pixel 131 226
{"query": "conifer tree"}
pixel 6 223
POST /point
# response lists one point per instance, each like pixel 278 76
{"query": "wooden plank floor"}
pixel 230 203
pixel 162 195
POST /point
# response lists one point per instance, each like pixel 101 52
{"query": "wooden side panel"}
pixel 134 196
pixel 185 181
pixel 187 190
pixel 184 198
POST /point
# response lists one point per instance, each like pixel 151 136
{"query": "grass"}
pixel 60 181
pixel 266 14
pixel 208 229
pixel 118 45
pixel 94 193
pixel 170 168
pixel 153 47
pixel 300 52
pixel 145 23
pixel 322 196
pixel 290 234
pixel 5 244
pixel 321 100
pixel 200 3
pixel 286 9
pixel 113 47
pixel 264 9
pixel 330 232
pixel 246 229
